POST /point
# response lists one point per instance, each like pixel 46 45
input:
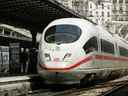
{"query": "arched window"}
pixel 91 45
pixel 121 1
pixel 7 32
pixel 1 30
pixel 114 1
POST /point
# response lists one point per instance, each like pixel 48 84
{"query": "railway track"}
pixel 28 86
pixel 97 90
pixel 117 88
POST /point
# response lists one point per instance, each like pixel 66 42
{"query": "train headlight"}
pixel 67 56
pixel 47 57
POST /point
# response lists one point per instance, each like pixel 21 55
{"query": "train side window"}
pixel 123 51
pixel 1 30
pixel 91 45
pixel 107 47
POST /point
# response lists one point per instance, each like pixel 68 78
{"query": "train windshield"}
pixel 62 34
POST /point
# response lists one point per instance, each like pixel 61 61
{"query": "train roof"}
pixel 71 20
pixel 102 31
pixel 106 35
pixel 120 41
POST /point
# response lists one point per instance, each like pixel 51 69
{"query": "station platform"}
pixel 18 85
pixel 17 78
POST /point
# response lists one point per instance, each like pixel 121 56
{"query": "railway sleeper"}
pixel 88 80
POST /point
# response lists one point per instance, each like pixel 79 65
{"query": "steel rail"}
pixel 98 89
pixel 116 88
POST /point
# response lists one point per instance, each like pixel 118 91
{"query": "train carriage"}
pixel 74 50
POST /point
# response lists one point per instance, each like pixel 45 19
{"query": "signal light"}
pixel 47 57
pixel 67 55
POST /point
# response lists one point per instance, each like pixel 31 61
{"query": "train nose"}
pixel 57 59
pixel 57 56
pixel 60 77
pixel 67 57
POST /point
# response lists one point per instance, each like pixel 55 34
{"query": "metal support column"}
pixel 34 43
pixel 32 68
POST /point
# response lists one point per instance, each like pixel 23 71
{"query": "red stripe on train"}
pixel 87 59
pixel 103 57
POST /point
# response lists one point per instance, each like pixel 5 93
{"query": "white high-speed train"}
pixel 74 50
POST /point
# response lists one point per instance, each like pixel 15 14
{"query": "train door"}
pixel 14 67
pixel 98 55
pixel 108 53
pixel 116 52
pixel 91 48
pixel 4 59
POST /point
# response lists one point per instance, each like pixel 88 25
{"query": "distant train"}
pixel 74 50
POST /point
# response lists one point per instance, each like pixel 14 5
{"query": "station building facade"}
pixel 13 41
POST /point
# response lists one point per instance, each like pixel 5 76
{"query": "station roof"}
pixel 33 15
